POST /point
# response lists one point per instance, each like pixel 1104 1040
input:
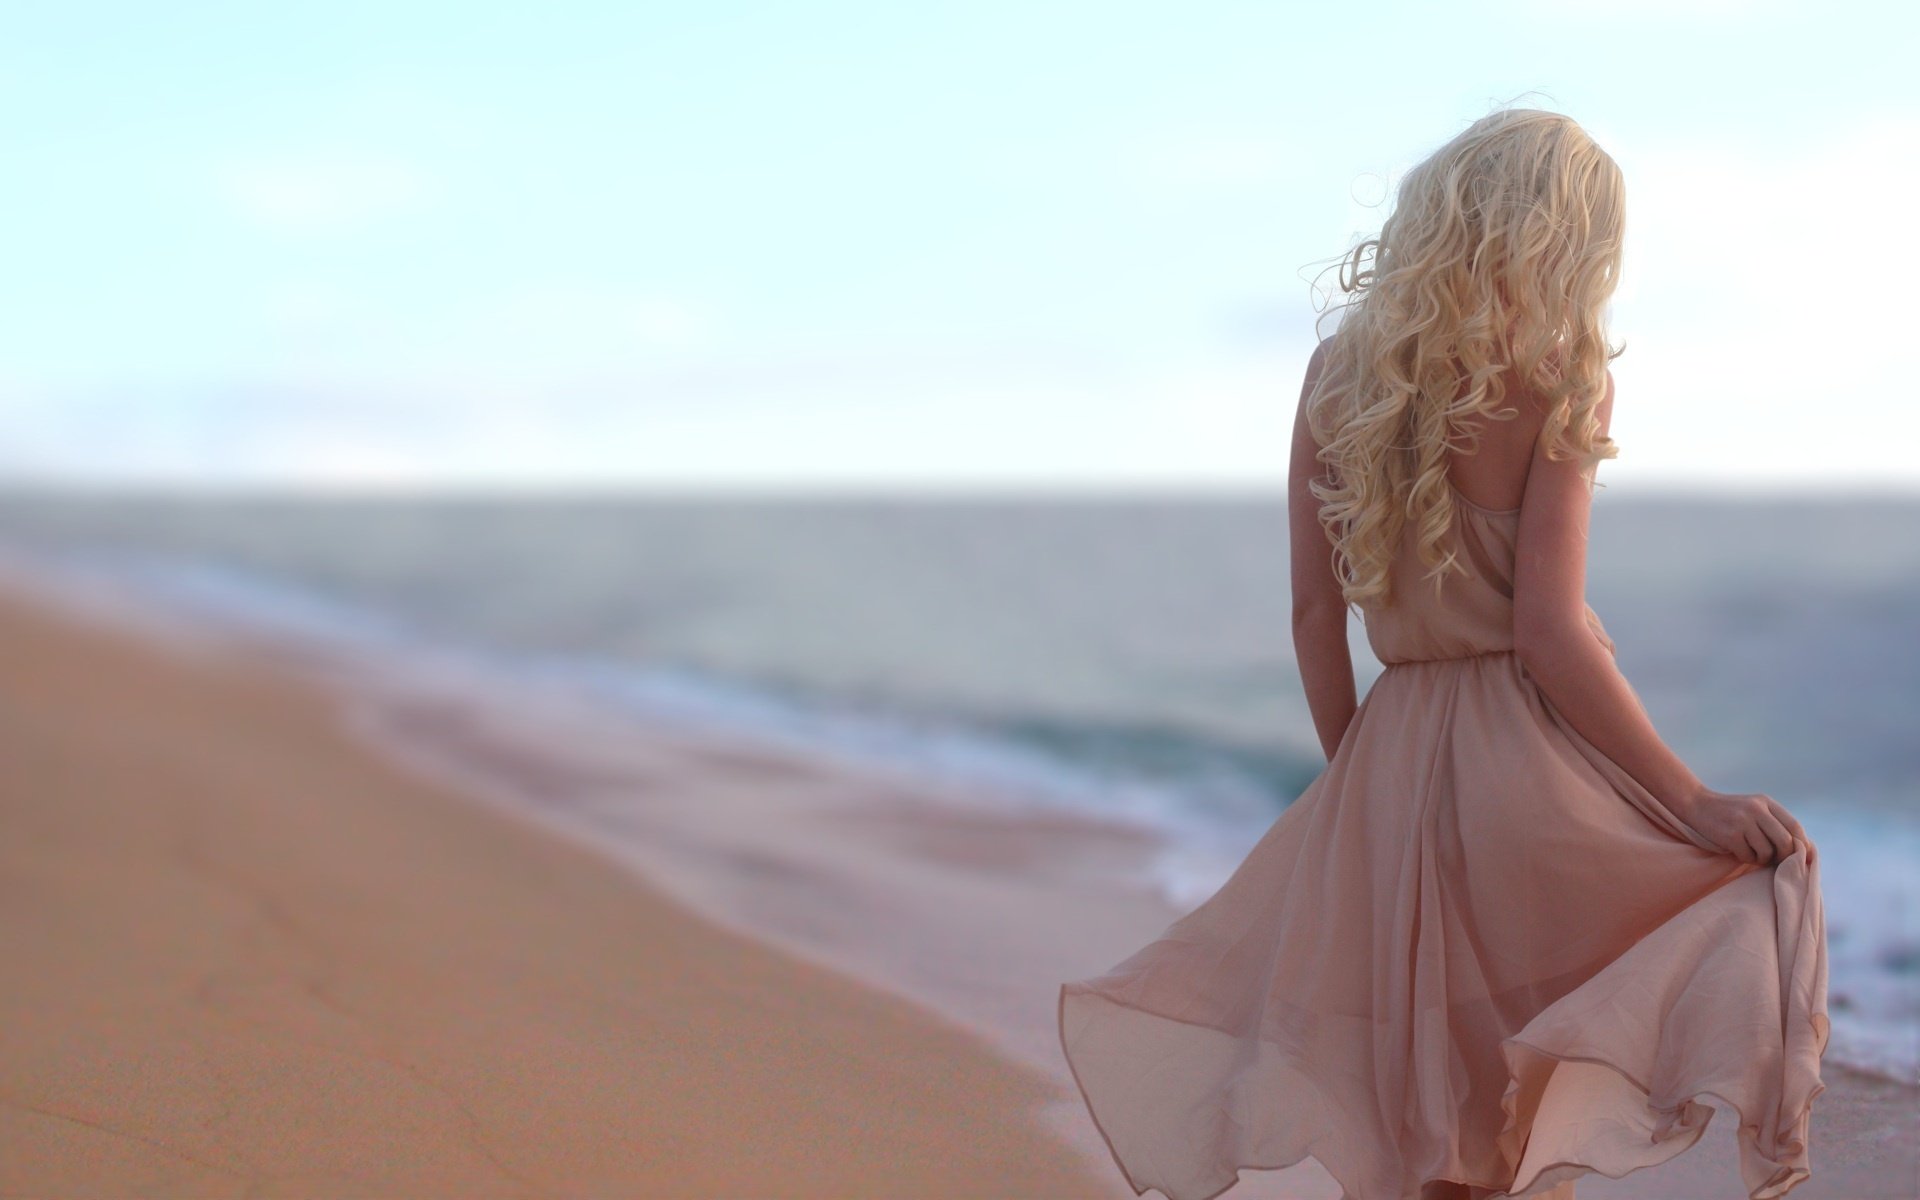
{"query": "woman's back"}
pixel 1470 613
pixel 1493 476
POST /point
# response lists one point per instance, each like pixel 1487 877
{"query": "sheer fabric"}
pixel 1474 949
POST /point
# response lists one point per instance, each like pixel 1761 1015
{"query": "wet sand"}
pixel 246 957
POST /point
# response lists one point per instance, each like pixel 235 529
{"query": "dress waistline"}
pixel 1417 662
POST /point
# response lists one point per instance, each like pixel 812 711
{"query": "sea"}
pixel 1125 656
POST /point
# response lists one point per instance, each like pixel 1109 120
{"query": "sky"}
pixel 900 247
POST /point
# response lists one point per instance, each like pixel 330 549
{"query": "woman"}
pixel 1506 937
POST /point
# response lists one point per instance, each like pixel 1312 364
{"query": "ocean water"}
pixel 1127 656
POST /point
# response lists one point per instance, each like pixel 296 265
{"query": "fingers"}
pixel 1793 826
pixel 1776 833
pixel 1754 828
pixel 1733 837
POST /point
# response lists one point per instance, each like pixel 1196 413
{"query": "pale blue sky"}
pixel 894 245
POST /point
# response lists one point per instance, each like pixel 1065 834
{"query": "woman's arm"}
pixel 1557 647
pixel 1319 611
pixel 1577 673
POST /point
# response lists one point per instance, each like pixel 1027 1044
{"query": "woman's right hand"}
pixel 1751 826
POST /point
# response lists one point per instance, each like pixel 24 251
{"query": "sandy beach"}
pixel 251 954
pixel 246 958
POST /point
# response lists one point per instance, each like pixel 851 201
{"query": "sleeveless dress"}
pixel 1474 949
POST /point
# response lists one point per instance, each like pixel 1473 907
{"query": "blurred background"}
pixel 916 381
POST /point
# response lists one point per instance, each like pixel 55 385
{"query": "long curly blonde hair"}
pixel 1490 275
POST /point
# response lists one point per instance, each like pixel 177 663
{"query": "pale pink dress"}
pixel 1474 949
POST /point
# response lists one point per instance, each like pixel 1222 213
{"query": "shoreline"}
pixel 249 957
pixel 962 914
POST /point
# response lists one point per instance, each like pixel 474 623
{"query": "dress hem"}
pixel 1783 1180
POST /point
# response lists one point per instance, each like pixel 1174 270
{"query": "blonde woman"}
pixel 1506 938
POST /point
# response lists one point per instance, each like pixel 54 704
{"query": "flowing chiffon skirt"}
pixel 1474 949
